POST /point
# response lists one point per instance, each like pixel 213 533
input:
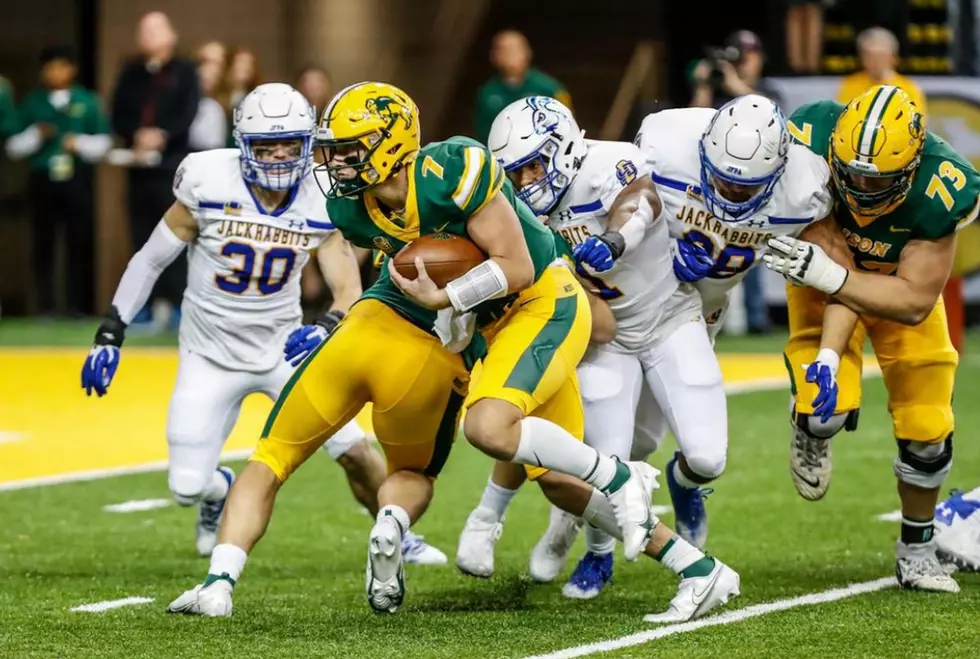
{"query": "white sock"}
pixel 496 499
pixel 546 444
pixel 598 541
pixel 678 555
pixel 396 513
pixel 217 489
pixel 683 480
pixel 227 561
pixel 599 513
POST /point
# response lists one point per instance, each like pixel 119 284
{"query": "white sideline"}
pixel 99 607
pixel 137 505
pixel 721 619
pixel 735 388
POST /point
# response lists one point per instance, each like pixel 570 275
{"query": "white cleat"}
pixel 918 568
pixel 474 555
pixel 958 530
pixel 418 552
pixel 809 463
pixel 209 517
pixel 213 600
pixel 549 555
pixel 385 573
pixel 698 595
pixel 631 504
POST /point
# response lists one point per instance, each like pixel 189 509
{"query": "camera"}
pixel 715 56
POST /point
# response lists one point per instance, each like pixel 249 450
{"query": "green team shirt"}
pixel 447 183
pixel 496 94
pixel 943 197
pixel 8 113
pixel 83 115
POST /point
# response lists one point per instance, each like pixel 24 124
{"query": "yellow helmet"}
pixel 875 150
pixel 372 116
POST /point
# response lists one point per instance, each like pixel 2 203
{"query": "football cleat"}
pixel 385 573
pixel 631 505
pixel 474 555
pixel 690 516
pixel 591 575
pixel 958 530
pixel 418 552
pixel 809 463
pixel 698 595
pixel 918 568
pixel 209 516
pixel 549 555
pixel 213 600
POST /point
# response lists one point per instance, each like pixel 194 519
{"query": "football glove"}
pixel 692 262
pixel 304 340
pixel 804 264
pixel 600 252
pixel 824 375
pixel 103 359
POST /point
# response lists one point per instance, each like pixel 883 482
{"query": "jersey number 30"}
pixel 277 265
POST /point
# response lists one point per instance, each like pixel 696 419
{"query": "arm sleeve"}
pixel 144 269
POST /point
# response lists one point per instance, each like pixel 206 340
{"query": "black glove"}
pixel 329 320
pixel 112 331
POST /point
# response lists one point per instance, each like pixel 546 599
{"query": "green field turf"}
pixel 302 593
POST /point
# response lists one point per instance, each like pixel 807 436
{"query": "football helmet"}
pixel 274 112
pixel 875 149
pixel 378 124
pixel 743 153
pixel 543 129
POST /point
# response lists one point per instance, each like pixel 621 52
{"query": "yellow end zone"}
pixel 48 427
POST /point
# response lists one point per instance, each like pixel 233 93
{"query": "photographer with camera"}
pixel 732 71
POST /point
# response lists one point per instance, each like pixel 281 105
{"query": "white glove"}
pixel 804 264
pixel 455 329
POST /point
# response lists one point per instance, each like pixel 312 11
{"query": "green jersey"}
pixel 943 197
pixel 447 183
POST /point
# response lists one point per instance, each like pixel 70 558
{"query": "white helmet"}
pixel 744 146
pixel 539 127
pixel 274 111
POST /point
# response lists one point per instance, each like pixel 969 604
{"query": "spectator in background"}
pixel 155 102
pixel 210 127
pixel 313 82
pixel 736 71
pixel 804 35
pixel 878 50
pixel 242 77
pixel 62 132
pixel 511 55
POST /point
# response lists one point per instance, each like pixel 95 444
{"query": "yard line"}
pixel 96 474
pixel 893 516
pixel 99 607
pixel 721 619
pixel 137 505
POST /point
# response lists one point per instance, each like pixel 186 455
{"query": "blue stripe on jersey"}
pixel 674 183
pixel 313 224
pixel 587 208
pixel 790 220
pixel 215 205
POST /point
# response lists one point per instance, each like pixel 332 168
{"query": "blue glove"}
pixel 825 378
pixel 600 252
pixel 304 340
pixel 692 262
pixel 103 359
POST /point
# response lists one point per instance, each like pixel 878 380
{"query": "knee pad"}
pixel 813 427
pixel 705 465
pixel 924 465
pixel 187 486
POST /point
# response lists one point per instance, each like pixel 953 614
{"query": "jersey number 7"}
pixel 268 280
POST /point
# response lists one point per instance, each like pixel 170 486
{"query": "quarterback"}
pixel 586 188
pixel 903 194
pixel 385 190
pixel 249 217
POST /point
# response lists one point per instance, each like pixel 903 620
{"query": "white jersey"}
pixel 640 288
pixel 669 141
pixel 243 290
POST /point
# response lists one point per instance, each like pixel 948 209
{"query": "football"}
pixel 446 257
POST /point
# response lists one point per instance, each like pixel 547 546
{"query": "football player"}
pixel 385 190
pixel 958 530
pixel 903 194
pixel 586 189
pixel 249 217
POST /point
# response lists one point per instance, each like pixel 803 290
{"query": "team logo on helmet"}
pixel 389 108
pixel 545 116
